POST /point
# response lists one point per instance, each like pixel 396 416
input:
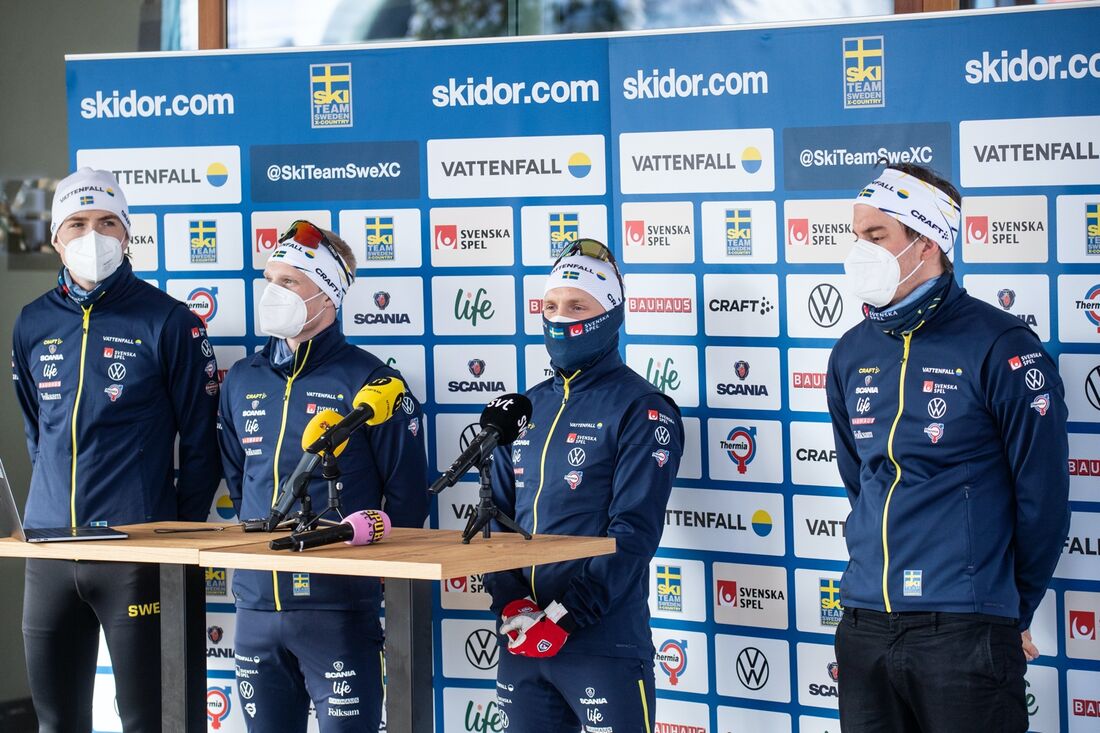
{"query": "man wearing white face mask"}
pixel 950 427
pixel 109 370
pixel 303 636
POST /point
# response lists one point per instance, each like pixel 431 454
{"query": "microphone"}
pixel 299 478
pixel 361 528
pixel 374 404
pixel 502 420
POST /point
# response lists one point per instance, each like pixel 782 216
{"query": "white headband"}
pixel 320 265
pixel 88 190
pixel 918 205
pixel 593 276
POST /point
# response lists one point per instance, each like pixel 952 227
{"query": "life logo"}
pixel 1092 229
pixel 330 95
pixel 380 240
pixel 204 241
pixel 738 232
pixel 864 60
pixel 564 229
pixel 203 302
pixel 219 702
pixel 1090 304
pixel 445 236
pixel 977 230
pixel 740 446
pixel 673 659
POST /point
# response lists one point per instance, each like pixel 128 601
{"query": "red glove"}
pixel 518 616
pixel 540 636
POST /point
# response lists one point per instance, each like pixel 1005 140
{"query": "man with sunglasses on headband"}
pixel 950 426
pixel 597 458
pixel 303 636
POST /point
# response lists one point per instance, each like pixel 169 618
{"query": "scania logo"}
pixel 1035 379
pixel 826 306
pixel 381 299
pixel 741 369
pixel 752 668
pixel 482 649
pixel 1007 298
pixel 937 408
pixel 476 367
pixel 576 456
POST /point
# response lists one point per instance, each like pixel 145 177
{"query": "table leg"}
pixel 409 690
pixel 183 648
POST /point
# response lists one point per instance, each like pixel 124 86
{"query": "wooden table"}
pixel 409 559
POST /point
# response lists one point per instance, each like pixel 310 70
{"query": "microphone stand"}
pixel 307 520
pixel 487 511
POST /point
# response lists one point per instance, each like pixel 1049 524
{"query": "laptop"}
pixel 12 526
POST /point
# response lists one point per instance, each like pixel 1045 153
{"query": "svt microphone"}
pixel 502 420
pixel 361 528
pixel 299 478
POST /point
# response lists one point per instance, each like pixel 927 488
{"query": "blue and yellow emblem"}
pixel 864 72
pixel 204 241
pixel 564 228
pixel 738 232
pixel 330 95
pixel 380 238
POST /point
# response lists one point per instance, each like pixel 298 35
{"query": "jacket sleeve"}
pixel 640 488
pixel 847 460
pixel 508 585
pixel 25 388
pixel 189 368
pixel 402 464
pixel 1028 404
pixel 230 444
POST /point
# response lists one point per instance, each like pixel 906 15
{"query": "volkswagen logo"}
pixel 662 435
pixel 752 668
pixel 246 689
pixel 937 408
pixel 576 457
pixel 116 372
pixel 468 434
pixel 826 305
pixel 1092 387
pixel 1035 379
pixel 482 649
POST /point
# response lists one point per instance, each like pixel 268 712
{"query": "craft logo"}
pixel 738 232
pixel 977 230
pixel 864 72
pixel 670 590
pixel 1090 304
pixel 740 446
pixel 564 228
pixel 203 302
pixel 267 239
pixel 380 240
pixel 216 582
pixel 218 704
pixel 673 659
pixel 831 610
pixel 204 241
pixel 330 95
pixel 1092 229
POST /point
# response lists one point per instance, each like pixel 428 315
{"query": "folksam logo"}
pixel 204 241
pixel 580 165
pixel 330 95
pixel 864 72
pixel 217 174
pixel 761 523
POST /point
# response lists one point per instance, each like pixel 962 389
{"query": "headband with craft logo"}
pixel 915 203
pixel 319 264
pixel 596 277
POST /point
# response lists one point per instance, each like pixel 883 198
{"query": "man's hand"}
pixel 1031 652
pixel 542 637
pixel 518 616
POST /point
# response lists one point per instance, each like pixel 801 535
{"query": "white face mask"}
pixel 561 319
pixel 283 312
pixel 93 256
pixel 873 273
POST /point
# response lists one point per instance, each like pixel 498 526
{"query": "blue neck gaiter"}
pixel 578 344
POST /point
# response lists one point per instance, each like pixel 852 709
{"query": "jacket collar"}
pixel 108 291
pixel 589 376
pixel 310 354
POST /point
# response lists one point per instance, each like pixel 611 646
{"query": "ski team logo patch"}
pixel 912 583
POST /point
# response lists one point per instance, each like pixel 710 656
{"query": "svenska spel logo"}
pixel 330 95
pixel 739 232
pixel 864 72
pixel 1092 229
pixel 564 228
pixel 204 241
pixel 380 240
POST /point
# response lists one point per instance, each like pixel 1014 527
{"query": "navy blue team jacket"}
pixel 951 442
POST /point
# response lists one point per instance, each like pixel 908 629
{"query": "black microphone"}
pixel 361 528
pixel 502 420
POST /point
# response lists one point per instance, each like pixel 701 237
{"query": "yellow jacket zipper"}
pixel 278 450
pixel 542 467
pixel 907 339
pixel 76 407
